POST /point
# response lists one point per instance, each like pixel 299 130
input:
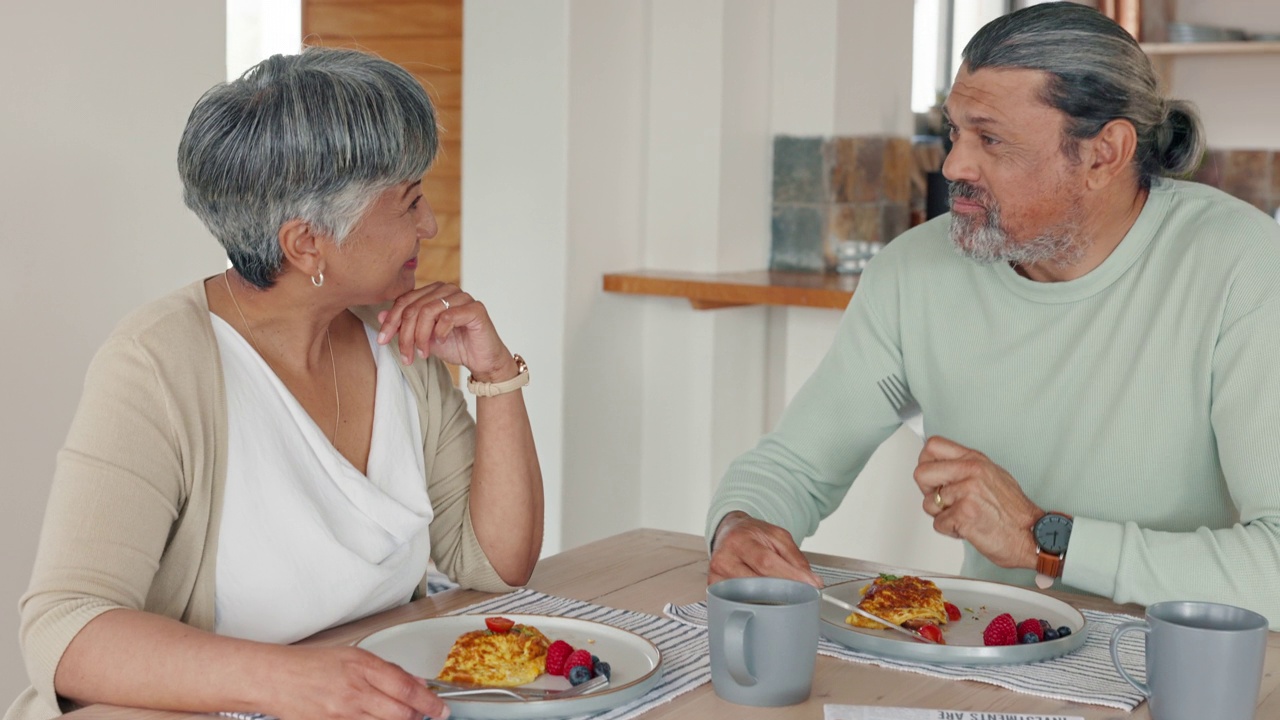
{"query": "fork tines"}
pixel 896 392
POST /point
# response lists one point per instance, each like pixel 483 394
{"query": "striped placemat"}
pixel 686 663
pixel 1084 676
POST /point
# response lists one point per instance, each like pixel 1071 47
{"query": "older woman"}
pixel 279 448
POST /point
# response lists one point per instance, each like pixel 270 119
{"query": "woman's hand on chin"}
pixel 441 320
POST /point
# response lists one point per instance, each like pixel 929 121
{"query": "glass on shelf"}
pixel 852 256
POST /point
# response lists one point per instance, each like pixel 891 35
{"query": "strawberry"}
pixel 576 658
pixel 1001 631
pixel 499 624
pixel 932 632
pixel 953 612
pixel 1031 626
pixel 557 653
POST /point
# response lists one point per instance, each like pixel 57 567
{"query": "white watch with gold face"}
pixel 484 389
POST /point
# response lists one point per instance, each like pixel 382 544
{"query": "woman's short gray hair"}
pixel 314 136
pixel 1097 73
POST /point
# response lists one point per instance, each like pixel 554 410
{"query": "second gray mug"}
pixel 764 640
pixel 1204 660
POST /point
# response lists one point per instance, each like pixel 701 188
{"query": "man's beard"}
pixel 983 239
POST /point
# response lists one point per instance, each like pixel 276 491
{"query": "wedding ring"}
pixel 937 498
pixel 446 303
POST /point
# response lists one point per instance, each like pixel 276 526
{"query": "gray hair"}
pixel 1097 73
pixel 315 136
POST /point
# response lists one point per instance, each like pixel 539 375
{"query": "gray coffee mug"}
pixel 1204 660
pixel 764 640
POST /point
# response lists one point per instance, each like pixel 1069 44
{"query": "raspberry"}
pixel 577 658
pixel 1032 627
pixel 1001 631
pixel 557 653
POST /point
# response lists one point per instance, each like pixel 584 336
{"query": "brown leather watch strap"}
pixel 1049 564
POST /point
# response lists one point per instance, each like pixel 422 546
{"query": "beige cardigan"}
pixel 134 509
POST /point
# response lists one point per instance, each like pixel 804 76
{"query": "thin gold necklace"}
pixel 337 399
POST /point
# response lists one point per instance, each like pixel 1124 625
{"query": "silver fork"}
pixel 903 403
pixel 452 690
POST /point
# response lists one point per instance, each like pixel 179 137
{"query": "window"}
pixel 942 28
pixel 258 29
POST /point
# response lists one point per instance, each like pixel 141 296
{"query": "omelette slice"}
pixel 906 600
pixel 483 657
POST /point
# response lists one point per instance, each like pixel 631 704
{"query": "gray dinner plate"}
pixel 979 601
pixel 420 647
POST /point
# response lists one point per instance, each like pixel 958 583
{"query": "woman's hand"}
pixel 139 659
pixel 441 320
pixel 339 683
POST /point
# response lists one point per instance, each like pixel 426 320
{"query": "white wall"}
pixel 91 221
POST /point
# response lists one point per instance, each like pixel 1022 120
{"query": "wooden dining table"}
pixel 643 570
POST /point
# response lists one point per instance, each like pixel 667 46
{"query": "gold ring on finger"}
pixel 937 498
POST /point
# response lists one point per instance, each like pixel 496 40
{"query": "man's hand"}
pixel 747 547
pixel 971 497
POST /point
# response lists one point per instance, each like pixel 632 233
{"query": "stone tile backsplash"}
pixel 1251 175
pixel 872 188
pixel 826 190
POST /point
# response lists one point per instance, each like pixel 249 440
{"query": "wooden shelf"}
pixel 708 291
pixel 1212 48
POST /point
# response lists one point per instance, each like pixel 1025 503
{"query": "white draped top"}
pixel 307 541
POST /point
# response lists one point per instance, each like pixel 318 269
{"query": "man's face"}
pixel 1015 197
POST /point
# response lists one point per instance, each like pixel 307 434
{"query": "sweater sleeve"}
pixel 1240 564
pixel 800 471
pixel 116 492
pixel 454 545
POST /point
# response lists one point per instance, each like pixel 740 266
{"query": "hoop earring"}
pixel 320 282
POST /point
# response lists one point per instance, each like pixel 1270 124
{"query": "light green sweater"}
pixel 1143 398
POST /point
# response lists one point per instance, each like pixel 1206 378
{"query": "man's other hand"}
pixel 746 547
pixel 972 498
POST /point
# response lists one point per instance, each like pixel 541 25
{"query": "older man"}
pixel 1098 364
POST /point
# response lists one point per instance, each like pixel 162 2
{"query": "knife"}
pixel 859 611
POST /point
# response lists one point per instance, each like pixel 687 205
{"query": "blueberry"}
pixel 579 674
pixel 1050 634
pixel 594 661
pixel 602 668
pixel 1064 631
pixel 1029 638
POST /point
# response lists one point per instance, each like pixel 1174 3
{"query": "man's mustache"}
pixel 968 191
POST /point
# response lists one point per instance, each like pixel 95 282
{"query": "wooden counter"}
pixel 708 291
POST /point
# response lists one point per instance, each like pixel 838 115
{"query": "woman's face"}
pixel 378 258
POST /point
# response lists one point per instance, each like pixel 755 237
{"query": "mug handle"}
pixel 1121 629
pixel 735 641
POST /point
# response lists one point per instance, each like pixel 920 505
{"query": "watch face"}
pixel 1052 533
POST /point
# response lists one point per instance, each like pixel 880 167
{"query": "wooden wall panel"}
pixel 385 19
pixel 425 37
